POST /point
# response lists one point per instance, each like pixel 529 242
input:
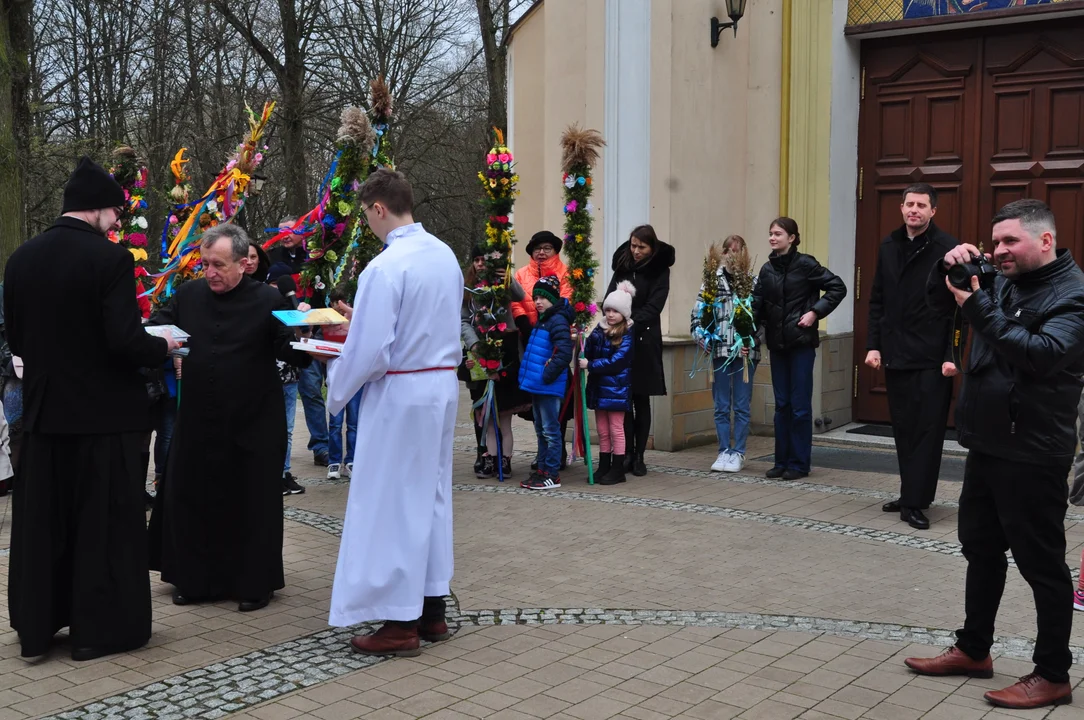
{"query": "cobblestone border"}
pixel 327 523
pixel 214 691
pixel 893 538
pixel 333 525
pixel 754 480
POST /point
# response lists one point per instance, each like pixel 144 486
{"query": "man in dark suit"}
pixel 78 539
pixel 913 343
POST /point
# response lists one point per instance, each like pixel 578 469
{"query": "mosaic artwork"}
pixel 864 12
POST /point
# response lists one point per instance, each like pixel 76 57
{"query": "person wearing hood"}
pixel 78 534
pixel 792 294
pixel 544 374
pixel 644 261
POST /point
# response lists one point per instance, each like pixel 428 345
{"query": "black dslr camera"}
pixel 960 274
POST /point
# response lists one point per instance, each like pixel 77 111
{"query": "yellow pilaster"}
pixel 808 120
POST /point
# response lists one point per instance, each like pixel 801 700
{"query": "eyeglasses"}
pixel 544 249
pixel 367 208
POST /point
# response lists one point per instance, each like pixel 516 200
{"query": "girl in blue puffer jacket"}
pixel 608 362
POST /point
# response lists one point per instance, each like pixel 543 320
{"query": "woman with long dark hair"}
pixel 788 302
pixel 644 261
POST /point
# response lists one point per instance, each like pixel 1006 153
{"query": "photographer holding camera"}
pixel 1016 415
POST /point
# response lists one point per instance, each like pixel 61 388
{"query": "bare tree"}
pixel 296 20
pixel 164 74
pixel 494 23
pixel 15 37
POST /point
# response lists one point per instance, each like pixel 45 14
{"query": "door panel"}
pixel 917 124
pixel 1032 136
pixel 985 116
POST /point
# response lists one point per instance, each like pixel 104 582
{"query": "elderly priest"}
pixel 216 530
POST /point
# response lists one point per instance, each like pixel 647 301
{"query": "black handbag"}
pixel 156 384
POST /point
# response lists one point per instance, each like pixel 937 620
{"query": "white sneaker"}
pixel 735 463
pixel 722 462
pixel 333 471
pixel 349 472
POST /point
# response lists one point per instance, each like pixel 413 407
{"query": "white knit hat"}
pixel 621 299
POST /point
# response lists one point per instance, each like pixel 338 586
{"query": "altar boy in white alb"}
pixel 395 559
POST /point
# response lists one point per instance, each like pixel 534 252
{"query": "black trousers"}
pixel 79 543
pixel 918 401
pixel 1020 507
pixel 433 609
pixel 638 425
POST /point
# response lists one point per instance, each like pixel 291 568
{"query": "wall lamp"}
pixel 735 9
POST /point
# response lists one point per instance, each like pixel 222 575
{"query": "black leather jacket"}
pixel 1023 377
pixel 788 287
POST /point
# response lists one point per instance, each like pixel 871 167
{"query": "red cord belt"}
pixel 422 370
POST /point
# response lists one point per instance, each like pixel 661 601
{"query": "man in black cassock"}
pixel 216 529
pixel 79 538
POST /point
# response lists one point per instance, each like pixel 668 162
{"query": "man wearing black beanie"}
pixel 79 538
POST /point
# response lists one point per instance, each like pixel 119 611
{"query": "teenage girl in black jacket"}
pixel 788 303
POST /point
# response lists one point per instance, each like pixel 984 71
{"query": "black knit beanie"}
pixel 548 287
pixel 90 187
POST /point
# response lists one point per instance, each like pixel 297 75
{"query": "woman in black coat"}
pixel 787 303
pixel 644 261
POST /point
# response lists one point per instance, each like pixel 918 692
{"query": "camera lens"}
pixel 960 275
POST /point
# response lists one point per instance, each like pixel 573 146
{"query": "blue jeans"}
pixel 335 428
pixel 311 384
pixel 13 400
pixel 289 394
pixel 730 393
pixel 792 383
pixel 164 434
pixel 547 426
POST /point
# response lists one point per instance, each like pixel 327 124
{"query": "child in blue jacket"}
pixel 609 382
pixel 544 374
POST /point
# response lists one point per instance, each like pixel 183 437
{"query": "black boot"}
pixel 604 462
pixel 639 469
pixel 614 477
pixel 628 461
pixel 478 462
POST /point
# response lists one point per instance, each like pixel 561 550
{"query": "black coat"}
pixel 70 313
pixel 651 278
pixel 1023 376
pixel 788 287
pixel 294 257
pixel 909 334
pixel 217 523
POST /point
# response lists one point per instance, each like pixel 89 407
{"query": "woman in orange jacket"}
pixel 545 251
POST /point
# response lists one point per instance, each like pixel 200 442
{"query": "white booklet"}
pixel 318 347
pixel 160 331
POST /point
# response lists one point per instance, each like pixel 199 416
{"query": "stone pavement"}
pixel 683 594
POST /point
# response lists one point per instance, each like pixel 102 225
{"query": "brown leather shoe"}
pixel 1031 691
pixel 953 661
pixel 433 630
pixel 389 640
